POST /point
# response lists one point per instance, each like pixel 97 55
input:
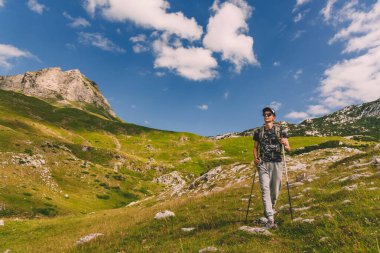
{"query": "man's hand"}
pixel 257 160
pixel 285 142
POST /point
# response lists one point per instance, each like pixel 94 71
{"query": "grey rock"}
pixel 53 83
pixel 187 229
pixel 164 214
pixel 88 238
pixel 208 249
pixel 350 187
pixel 2 223
pixel 255 230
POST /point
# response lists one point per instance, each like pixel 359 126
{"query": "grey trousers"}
pixel 270 174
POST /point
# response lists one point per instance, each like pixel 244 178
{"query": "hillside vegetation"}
pixel 66 173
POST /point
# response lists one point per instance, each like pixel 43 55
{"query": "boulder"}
pixel 88 238
pixel 163 215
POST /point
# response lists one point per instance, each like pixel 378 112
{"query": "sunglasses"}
pixel 267 114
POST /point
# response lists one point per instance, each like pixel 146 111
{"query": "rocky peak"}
pixel 64 87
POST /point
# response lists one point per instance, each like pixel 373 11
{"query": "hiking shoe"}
pixel 270 224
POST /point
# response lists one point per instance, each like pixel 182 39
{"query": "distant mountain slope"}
pixel 360 121
pixel 363 119
pixel 67 88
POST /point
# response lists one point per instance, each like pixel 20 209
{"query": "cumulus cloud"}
pixel 36 6
pixel 9 52
pixel 276 63
pixel 2 3
pixel 194 63
pixel 148 14
pixel 203 107
pixel 78 22
pixel 355 79
pixel 226 33
pixel 297 115
pixel 226 95
pixel 99 41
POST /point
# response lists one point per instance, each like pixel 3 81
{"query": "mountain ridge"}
pixel 65 88
pixel 351 121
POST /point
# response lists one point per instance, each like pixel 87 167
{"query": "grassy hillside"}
pixel 344 221
pixel 66 173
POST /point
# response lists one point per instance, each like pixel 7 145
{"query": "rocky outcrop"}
pixel 62 86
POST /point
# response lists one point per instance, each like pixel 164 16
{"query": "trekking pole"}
pixel 287 182
pixel 250 195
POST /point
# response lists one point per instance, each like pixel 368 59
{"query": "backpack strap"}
pixel 277 131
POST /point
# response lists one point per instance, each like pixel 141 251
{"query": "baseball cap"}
pixel 269 109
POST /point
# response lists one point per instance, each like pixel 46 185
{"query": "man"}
pixel 267 153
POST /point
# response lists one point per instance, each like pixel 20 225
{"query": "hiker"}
pixel 267 157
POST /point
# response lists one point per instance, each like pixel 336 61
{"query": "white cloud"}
pixel 146 122
pixel 226 95
pixel 300 3
pixel 298 74
pixel 194 63
pixel 99 41
pixel 140 45
pixel 138 48
pixel 149 14
pixel 36 7
pixel 355 79
pixel 138 38
pixel 2 3
pixel 225 33
pixel 298 34
pixel 317 110
pixel 299 16
pixel 275 105
pixel 203 107
pixel 78 22
pixel 327 10
pixel 297 115
pixel 9 52
pixel 276 63
pixel 160 74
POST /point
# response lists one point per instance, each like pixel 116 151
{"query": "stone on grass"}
pixel 347 201
pixel 88 238
pixel 323 239
pixel 7 251
pixel 164 214
pixel 208 249
pixel 372 189
pixel 308 221
pixel 328 215
pixel 187 229
pixel 1 222
pixel 255 230
pixel 263 220
pixel 350 187
pixel 375 160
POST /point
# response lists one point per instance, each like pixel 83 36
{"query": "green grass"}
pixel 81 150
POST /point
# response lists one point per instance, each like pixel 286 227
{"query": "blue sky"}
pixel 203 66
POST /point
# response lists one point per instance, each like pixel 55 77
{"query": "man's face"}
pixel 268 116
